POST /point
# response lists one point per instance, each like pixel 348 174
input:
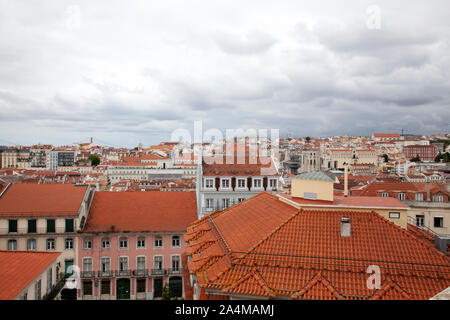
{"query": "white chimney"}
pixel 345 227
pixel 345 180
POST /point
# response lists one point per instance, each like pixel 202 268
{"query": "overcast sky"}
pixel 130 71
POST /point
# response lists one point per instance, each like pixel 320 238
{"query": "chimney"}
pixel 441 242
pixel 345 227
pixel 345 180
pixel 428 190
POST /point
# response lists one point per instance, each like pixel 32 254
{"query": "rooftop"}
pixel 141 211
pixel 265 247
pixel 30 264
pixel 41 199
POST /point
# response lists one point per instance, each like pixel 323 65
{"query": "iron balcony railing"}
pixel 87 274
pixel 158 272
pixel 174 271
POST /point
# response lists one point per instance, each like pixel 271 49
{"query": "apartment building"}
pixel 132 245
pixel 429 202
pixel 44 217
pixel 425 153
pixel 221 184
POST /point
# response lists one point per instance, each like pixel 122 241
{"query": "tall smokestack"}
pixel 345 180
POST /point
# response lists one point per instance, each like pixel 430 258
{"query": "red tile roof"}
pixel 19 268
pixel 265 247
pixel 41 200
pixel 141 211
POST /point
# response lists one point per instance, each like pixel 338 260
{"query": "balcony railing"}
pixel 126 272
pixel 87 274
pixel 158 272
pixel 105 274
pixel 174 271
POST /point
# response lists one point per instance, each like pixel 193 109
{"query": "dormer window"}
pixel 257 183
pixel 241 183
pixel 438 198
pixel 209 183
pixel 225 183
pixel 385 194
pixel 401 196
pixel 419 196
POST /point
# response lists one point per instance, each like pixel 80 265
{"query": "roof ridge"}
pixel 318 278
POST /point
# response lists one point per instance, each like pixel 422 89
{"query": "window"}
pixel 87 264
pixel 385 194
pixel 12 226
pixel 50 244
pixel 394 215
pixel 225 183
pixel 241 183
pixel 69 225
pixel 420 220
pixel 123 264
pixel 140 285
pixel 240 199
pixel 175 263
pixel 37 290
pixel 438 222
pixel 257 183
pixel 105 287
pixel 49 279
pixel 419 196
pixel 140 263
pixel 31 244
pixel 87 288
pixel 50 225
pixel 401 196
pixel 209 183
pixel 105 264
pixel 209 203
pixel 176 241
pixel 141 243
pixel 123 243
pixel 438 198
pixel 87 244
pixel 158 242
pixel 158 262
pixel 225 203
pixel 69 244
pixel 32 226
pixel 105 243
pixel 12 244
pixel 273 183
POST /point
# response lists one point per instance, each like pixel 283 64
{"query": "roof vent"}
pixel 345 227
pixel 441 242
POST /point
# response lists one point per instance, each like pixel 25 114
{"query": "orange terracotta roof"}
pixel 386 135
pixel 18 269
pixel 41 200
pixel 141 211
pixel 265 247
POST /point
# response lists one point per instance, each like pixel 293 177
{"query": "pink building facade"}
pixel 130 266
pixel 132 246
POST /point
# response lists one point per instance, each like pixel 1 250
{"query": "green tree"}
pixel 416 159
pixel 95 160
pixel 386 158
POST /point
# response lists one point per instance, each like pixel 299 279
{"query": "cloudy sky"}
pixel 129 71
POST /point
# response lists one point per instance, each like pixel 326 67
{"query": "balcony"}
pixel 87 274
pixel 140 272
pixel 175 271
pixel 105 274
pixel 158 272
pixel 125 272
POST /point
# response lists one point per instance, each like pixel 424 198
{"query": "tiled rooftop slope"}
pixel 265 247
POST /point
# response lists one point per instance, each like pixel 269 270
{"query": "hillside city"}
pixel 330 218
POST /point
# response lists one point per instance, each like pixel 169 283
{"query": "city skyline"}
pixel 137 73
